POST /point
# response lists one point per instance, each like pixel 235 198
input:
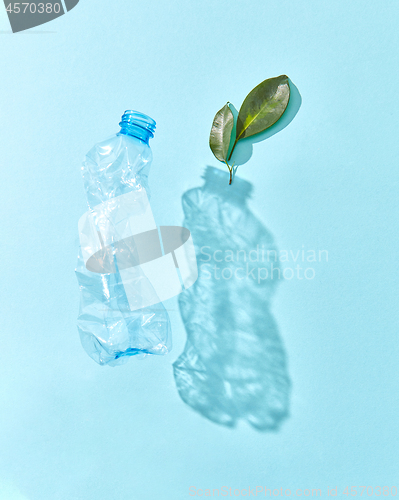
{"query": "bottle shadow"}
pixel 233 366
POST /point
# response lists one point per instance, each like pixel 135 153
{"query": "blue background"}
pixel 73 430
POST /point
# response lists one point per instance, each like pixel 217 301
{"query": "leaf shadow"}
pixel 244 148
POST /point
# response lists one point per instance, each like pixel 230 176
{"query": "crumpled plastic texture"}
pixel 115 174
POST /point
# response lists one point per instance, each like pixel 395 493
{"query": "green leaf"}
pixel 262 107
pixel 219 140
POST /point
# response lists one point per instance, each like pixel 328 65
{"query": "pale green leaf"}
pixel 220 136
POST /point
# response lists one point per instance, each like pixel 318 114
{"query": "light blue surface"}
pixel 71 429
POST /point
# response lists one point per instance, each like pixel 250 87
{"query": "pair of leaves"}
pixel 262 107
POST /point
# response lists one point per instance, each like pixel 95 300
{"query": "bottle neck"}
pixel 137 132
pixel 138 125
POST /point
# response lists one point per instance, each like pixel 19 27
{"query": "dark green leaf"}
pixel 263 106
pixel 222 126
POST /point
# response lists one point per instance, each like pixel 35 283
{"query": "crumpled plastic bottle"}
pixel 112 324
pixel 234 364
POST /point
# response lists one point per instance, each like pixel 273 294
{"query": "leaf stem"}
pixel 231 172
pixel 232 149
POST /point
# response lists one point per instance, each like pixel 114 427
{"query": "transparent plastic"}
pixel 115 324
